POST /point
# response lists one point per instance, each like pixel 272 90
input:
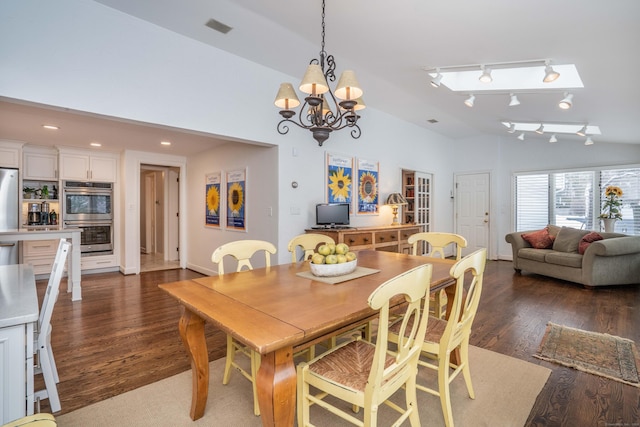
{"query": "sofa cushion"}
pixel 540 239
pixel 568 259
pixel 533 254
pixel 568 239
pixel 587 240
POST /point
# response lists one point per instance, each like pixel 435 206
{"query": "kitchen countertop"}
pixel 39 230
pixel 18 296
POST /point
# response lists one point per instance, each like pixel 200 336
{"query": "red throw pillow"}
pixel 539 239
pixel 587 240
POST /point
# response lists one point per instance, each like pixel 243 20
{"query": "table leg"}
pixel 192 334
pixel 74 279
pixel 277 388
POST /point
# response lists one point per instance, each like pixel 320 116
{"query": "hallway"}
pixel 156 262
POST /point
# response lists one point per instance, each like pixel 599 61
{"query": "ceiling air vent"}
pixel 218 26
pixel 432 121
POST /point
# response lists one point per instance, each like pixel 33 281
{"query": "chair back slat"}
pixel 53 289
pixel 438 242
pixel 308 243
pixel 242 251
pixel 413 285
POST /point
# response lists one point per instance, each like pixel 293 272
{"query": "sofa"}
pixel 581 256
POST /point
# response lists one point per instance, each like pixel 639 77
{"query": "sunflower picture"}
pixel 212 199
pixel 367 187
pixel 339 186
pixel 236 200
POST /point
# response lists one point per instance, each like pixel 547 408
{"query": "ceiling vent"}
pixel 218 26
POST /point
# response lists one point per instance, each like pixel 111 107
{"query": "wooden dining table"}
pixel 277 312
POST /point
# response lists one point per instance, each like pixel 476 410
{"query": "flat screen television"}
pixel 332 214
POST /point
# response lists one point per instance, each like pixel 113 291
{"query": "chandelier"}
pixel 323 111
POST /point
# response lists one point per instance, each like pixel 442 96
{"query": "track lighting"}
pixel 553 138
pixel 512 128
pixel 582 131
pixel 549 74
pixel 514 100
pixel 435 82
pixel 540 130
pixel 589 141
pixel 566 102
pixel 485 77
pixel 469 101
pixel 521 136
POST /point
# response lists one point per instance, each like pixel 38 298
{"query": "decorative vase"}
pixel 609 224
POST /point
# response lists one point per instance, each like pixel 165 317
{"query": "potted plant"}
pixel 45 192
pixel 611 207
pixel 28 192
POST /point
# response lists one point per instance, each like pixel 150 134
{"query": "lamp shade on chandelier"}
pixel 323 111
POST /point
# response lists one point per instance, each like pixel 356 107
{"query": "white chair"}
pixel 308 243
pixel 46 364
pixel 242 251
pixel 447 337
pixel 365 374
pixel 437 243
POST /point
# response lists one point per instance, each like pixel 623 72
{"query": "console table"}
pixel 390 238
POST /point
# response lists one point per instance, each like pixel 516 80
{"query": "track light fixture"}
pixel 553 138
pixel 540 130
pixel 589 141
pixel 485 77
pixel 566 102
pixel 549 74
pixel 512 128
pixel 582 131
pixel 435 82
pixel 514 100
pixel 469 101
pixel 521 136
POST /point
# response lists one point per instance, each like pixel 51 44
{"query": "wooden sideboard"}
pixel 387 238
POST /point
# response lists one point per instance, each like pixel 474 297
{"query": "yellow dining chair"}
pixel 308 243
pixel 365 374
pixel 437 243
pixel 445 337
pixel 242 251
pixel 37 420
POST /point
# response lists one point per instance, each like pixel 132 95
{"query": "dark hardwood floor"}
pixel 124 334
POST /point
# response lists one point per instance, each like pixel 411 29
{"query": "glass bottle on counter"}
pixel 53 218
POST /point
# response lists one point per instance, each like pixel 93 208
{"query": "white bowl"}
pixel 328 270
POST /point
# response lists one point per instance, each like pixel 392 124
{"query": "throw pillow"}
pixel 553 230
pixel 540 239
pixel 587 240
pixel 568 239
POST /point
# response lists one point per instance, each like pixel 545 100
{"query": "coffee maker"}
pixel 44 213
pixel 34 215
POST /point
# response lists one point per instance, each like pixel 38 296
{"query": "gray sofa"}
pixel 614 260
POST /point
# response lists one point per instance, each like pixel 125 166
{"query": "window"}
pixel 574 198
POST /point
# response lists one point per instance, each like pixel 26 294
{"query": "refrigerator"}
pixel 9 214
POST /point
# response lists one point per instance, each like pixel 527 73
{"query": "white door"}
pixel 173 219
pixel 472 210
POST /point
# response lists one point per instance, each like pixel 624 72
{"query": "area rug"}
pixel 600 354
pixel 506 389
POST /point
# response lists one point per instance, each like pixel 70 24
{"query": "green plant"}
pixel 612 206
pixel 45 192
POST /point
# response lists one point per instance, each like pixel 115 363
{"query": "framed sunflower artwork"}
pixel 213 199
pixel 339 179
pixel 237 200
pixel 367 191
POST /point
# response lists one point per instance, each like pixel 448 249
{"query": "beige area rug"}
pixel 600 354
pixel 506 390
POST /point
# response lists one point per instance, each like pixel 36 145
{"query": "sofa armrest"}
pixel 615 246
pixel 517 243
pixel 614 261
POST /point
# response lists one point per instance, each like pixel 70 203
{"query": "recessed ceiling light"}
pixel 165 143
pixel 96 144
pixel 52 127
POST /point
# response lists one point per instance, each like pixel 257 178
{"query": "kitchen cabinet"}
pixel 76 166
pixel 10 154
pixel 40 254
pixel 12 370
pixel 390 238
pixel 40 164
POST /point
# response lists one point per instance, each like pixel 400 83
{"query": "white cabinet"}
pixel 88 167
pixel 40 254
pixel 40 165
pixel 10 154
pixel 13 390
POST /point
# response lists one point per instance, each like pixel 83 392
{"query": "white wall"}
pixel 508 155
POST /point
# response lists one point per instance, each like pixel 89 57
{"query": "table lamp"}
pixel 394 200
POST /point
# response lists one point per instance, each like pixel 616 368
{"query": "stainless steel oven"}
pixel 87 201
pixel 96 237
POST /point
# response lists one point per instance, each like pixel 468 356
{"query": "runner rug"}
pixel 600 354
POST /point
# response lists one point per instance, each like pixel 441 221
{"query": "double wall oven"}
pixel 89 206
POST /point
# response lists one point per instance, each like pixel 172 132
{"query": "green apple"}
pixel 341 258
pixel 332 247
pixel 350 256
pixel 331 259
pixel 317 259
pixel 324 250
pixel 342 248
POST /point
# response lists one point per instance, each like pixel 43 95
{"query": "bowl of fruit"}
pixel 333 260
